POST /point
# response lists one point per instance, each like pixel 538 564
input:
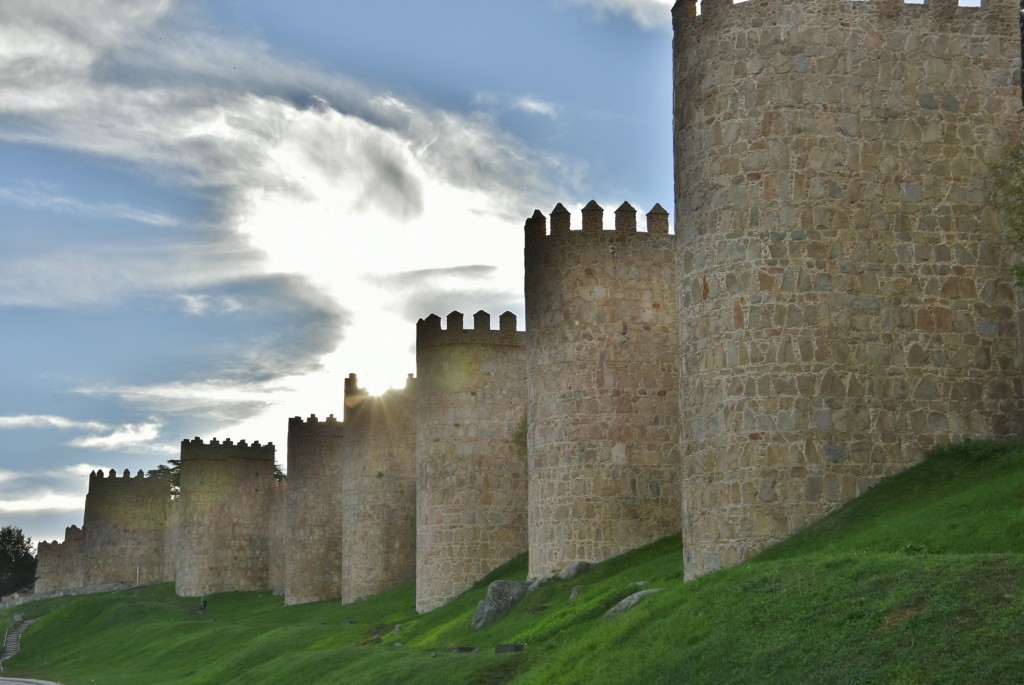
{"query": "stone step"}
pixel 13 642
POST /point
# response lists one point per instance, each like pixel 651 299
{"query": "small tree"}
pixel 17 565
pixel 171 471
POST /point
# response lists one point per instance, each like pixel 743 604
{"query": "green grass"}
pixel 919 581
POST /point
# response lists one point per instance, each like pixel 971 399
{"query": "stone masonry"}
pixel 845 294
pixel 122 539
pixel 313 560
pixel 60 565
pixel 279 538
pixel 378 491
pixel 603 404
pixel 226 499
pixel 124 522
pixel 470 481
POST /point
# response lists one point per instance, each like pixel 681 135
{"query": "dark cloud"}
pixel 278 325
pixel 422 292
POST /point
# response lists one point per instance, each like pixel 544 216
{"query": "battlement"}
pixel 946 11
pixel 313 421
pixel 593 221
pixel 72 534
pixel 197 449
pixel 98 475
pixel 314 427
pixel 429 332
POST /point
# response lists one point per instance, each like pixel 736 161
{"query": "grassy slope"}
pixel 920 581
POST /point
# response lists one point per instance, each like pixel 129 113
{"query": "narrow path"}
pixel 13 642
pixel 11 647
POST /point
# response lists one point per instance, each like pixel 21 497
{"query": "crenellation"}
pixel 625 218
pixel 215 449
pixel 506 322
pixel 429 332
pixel 593 222
pixel 657 220
pixel 561 220
pixel 593 217
pixel 312 423
pixel 536 226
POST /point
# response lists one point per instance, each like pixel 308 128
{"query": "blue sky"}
pixel 211 212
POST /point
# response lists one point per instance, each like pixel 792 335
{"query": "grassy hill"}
pixel 919 581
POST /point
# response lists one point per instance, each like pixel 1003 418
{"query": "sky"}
pixel 211 212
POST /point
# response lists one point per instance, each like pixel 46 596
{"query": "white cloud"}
pixel 524 103
pixel 47 421
pixel 224 399
pixel 102 437
pixel 35 197
pixel 128 437
pixel 310 173
pixel 299 178
pixel 650 14
pixel 534 106
pixel 202 304
pixel 106 274
pixel 43 500
pixel 59 490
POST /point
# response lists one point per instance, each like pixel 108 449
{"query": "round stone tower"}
pixel 124 524
pixel 845 294
pixel 378 492
pixel 470 479
pixel 224 513
pixel 603 405
pixel 312 566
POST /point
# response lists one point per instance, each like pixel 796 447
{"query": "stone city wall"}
pixel 378 491
pixel 61 566
pixel 313 559
pixel 845 294
pixel 470 481
pixel 227 493
pixel 50 567
pixel 603 404
pixel 124 524
pixel 278 536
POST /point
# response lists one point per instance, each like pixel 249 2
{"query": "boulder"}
pixel 502 595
